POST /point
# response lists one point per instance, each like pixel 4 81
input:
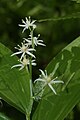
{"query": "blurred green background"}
pixel 62 27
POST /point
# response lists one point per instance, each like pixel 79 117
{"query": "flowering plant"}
pixel 49 90
pixel 26 59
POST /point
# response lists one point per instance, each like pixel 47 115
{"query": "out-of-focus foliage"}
pixel 3 117
pixel 56 33
pixel 78 1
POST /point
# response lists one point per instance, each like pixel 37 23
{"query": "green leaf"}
pixel 67 64
pixel 14 84
pixel 3 117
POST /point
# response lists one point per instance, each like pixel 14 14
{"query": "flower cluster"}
pixel 27 58
pixel 27 46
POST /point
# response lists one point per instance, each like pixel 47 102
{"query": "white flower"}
pixel 24 63
pixel 35 41
pixel 23 50
pixel 47 80
pixel 27 24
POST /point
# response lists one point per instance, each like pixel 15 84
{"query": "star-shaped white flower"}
pixel 47 80
pixel 35 41
pixel 24 49
pixel 27 24
pixel 24 63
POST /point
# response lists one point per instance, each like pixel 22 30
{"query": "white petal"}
pixel 31 49
pixel 21 25
pixel 46 74
pixel 18 65
pixel 33 60
pixel 22 55
pixel 21 67
pixel 24 29
pixel 42 72
pixel 39 79
pixel 41 44
pixel 54 81
pixel 27 19
pixel 16 53
pixel 33 21
pixel 35 43
pixel 34 64
pixel 27 40
pixel 40 40
pixel 23 21
pixel 52 88
pixel 30 54
pixel 17 48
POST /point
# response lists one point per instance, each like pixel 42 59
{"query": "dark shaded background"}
pixel 55 33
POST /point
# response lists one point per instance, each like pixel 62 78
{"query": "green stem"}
pixel 28 117
pixel 32 39
pixel 30 68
